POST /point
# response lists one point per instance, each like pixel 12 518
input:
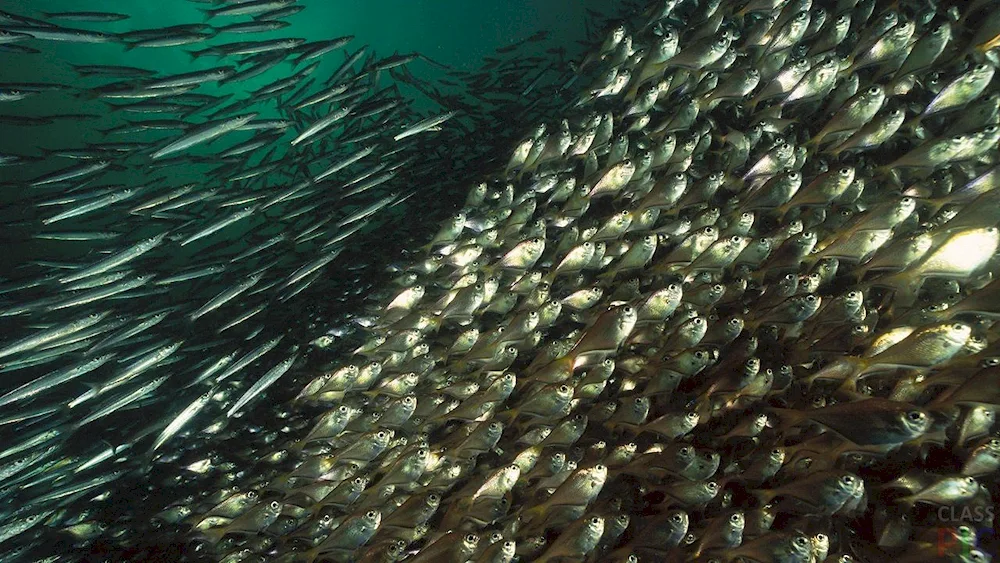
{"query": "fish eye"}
pixel 251 495
pixel 471 538
pixel 735 239
pixel 801 541
pixel 675 518
pixel 735 518
pixel 847 480
pixel 691 416
pixel 371 515
pixel 564 388
pixel 971 481
pixel 915 416
pixel 275 504
pixel 381 435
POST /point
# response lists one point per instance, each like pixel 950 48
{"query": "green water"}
pixel 455 33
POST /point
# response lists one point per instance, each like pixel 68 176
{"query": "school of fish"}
pixel 727 295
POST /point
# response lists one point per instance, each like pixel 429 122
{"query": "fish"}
pixel 202 134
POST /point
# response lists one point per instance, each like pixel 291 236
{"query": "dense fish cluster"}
pixel 175 241
pixel 735 302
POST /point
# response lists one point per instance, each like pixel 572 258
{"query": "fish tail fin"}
pixel 836 149
pixel 194 55
pixel 764 496
pixel 705 103
pixel 281 483
pixel 311 555
pixel 506 417
pixel 789 417
pixel 214 535
pixel 849 63
pixel 703 406
pixel 207 13
pixel 904 286
pixel 435 63
pixel 527 516
pixel 816 139
pixel 906 502
pixel 557 368
pixel 844 369
pixel 912 124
